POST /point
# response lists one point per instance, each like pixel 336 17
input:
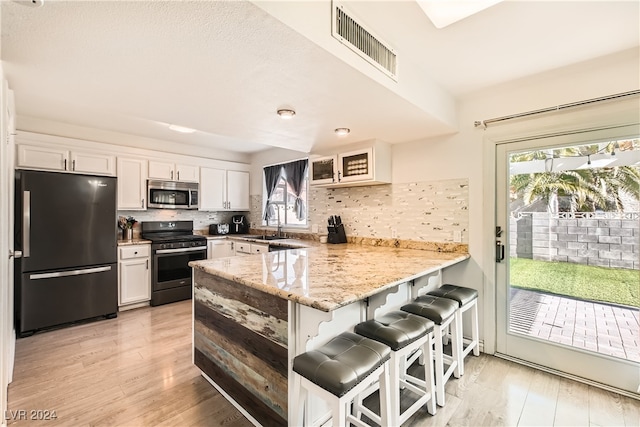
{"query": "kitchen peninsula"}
pixel 254 314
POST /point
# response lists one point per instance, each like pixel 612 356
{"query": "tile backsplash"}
pixel 201 220
pixel 424 211
pixel 429 211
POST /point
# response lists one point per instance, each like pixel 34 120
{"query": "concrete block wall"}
pixel 606 240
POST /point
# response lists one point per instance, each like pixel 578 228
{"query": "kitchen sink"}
pixel 267 238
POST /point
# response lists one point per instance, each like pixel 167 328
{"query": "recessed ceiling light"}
pixel 181 129
pixel 342 131
pixel 286 114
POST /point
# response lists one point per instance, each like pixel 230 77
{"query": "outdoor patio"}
pixel 604 328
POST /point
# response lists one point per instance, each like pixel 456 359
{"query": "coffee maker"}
pixel 239 225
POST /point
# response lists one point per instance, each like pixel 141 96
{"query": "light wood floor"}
pixel 136 370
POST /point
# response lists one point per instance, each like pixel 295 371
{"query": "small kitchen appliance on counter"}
pixel 218 229
pixel 239 225
pixel 336 230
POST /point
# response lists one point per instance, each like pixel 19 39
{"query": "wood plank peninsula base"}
pixel 240 343
pixel 253 314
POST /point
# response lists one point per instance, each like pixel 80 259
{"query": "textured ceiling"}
pixel 225 67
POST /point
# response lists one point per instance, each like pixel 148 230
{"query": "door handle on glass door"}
pixel 499 251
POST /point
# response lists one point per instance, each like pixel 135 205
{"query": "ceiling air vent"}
pixel 354 35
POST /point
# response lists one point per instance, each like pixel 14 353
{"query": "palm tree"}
pixel 588 189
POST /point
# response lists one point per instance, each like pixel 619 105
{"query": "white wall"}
pixel 461 155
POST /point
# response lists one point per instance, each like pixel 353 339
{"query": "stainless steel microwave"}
pixel 172 195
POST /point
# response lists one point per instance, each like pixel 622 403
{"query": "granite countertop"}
pixel 138 241
pixel 327 277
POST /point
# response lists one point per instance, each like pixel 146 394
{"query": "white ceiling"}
pixel 225 67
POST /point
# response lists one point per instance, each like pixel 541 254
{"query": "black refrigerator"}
pixel 65 226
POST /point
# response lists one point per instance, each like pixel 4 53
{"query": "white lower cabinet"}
pixel 134 275
pixel 220 249
pixel 247 248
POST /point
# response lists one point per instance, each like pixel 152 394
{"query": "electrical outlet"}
pixel 394 233
pixel 457 236
pixel 314 228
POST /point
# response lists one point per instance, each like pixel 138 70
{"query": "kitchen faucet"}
pixel 279 229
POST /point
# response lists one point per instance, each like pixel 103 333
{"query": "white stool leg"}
pixel 439 366
pixel 428 375
pixel 474 328
pixel 457 343
pixel 386 410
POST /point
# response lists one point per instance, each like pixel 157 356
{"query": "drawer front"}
pixel 259 249
pixel 135 251
pixel 244 248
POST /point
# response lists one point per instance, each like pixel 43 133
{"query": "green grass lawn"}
pixel 575 280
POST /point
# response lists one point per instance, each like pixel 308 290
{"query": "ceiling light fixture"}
pixel 342 131
pixel 181 129
pixel 286 114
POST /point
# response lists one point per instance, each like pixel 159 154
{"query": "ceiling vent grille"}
pixel 354 35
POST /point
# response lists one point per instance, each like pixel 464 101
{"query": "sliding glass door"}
pixel 568 253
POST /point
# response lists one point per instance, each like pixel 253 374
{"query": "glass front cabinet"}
pixel 371 165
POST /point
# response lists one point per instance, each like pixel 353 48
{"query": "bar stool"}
pixel 338 372
pixel 467 299
pixel 404 333
pixel 442 312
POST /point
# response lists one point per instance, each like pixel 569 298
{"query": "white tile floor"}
pixel 603 328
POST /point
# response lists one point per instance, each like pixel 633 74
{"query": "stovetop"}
pixel 172 234
pixel 174 238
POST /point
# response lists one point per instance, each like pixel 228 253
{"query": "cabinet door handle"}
pixel 65 164
pixel 142 203
pixel 147 264
pixel 178 173
pixel 229 205
pixel 338 176
pixel 73 165
pixel 171 174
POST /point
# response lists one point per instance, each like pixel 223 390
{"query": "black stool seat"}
pixel 457 293
pixel 432 307
pixel 397 329
pixel 342 363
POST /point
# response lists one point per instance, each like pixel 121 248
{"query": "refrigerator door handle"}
pixel 26 224
pixel 69 273
pixel 15 254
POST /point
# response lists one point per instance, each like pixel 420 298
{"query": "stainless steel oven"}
pixel 173 246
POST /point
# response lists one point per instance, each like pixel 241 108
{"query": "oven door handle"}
pixel 179 250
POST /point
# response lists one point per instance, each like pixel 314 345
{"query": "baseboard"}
pixel 570 376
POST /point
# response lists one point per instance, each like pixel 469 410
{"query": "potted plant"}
pixel 126 225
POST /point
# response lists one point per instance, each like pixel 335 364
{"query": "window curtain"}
pixel 271 178
pixel 295 172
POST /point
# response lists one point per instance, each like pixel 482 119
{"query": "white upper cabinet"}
pixel 213 189
pixel 224 190
pixel 238 190
pixel 173 172
pixel 368 165
pixel 102 164
pixel 62 159
pixel 132 183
